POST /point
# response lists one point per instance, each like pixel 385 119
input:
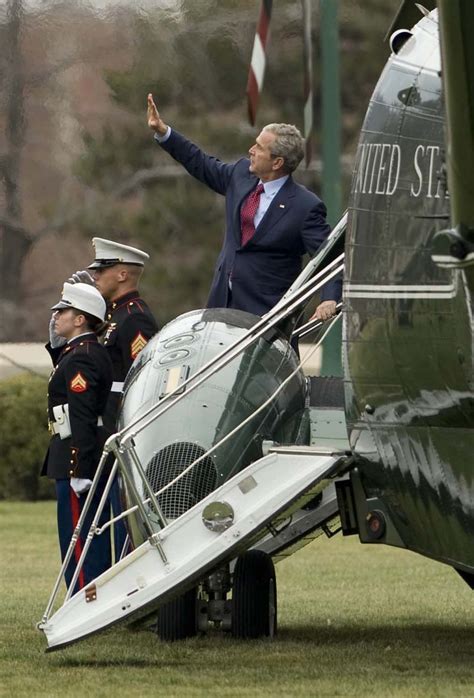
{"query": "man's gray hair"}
pixel 289 144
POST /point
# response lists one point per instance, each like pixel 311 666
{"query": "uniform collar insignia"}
pixel 121 300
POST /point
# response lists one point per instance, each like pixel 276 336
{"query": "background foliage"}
pixel 77 160
pixel 24 438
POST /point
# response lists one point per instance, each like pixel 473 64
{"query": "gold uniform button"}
pixel 130 304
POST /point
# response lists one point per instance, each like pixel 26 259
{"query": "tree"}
pixel 86 165
pixel 196 61
pixel 39 196
pixel 15 239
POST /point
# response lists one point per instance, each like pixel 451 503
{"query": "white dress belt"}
pixel 61 424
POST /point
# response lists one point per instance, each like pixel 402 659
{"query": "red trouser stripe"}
pixel 76 512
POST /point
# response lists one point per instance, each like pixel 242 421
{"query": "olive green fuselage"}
pixel 408 324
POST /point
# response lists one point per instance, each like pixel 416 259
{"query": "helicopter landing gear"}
pixel 254 596
pixel 177 618
pixel 250 614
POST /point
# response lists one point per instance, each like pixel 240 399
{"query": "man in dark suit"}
pixel 271 221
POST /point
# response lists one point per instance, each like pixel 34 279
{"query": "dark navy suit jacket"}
pixel 262 270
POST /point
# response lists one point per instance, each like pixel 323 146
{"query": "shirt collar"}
pixel 90 335
pixel 273 186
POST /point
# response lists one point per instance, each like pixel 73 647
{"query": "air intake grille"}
pixel 167 464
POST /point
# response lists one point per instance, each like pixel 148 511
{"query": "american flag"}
pixel 258 62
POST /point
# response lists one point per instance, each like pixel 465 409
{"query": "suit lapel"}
pixel 278 208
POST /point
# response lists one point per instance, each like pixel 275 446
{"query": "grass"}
pixel 354 621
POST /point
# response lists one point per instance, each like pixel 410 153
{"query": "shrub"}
pixel 24 438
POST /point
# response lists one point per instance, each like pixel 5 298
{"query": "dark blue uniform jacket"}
pixel 131 326
pixel 82 378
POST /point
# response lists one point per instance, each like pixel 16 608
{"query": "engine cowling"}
pixel 204 416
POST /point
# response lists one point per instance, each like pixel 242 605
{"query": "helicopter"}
pixel 231 458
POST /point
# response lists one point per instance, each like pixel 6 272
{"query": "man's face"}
pixel 107 280
pixel 262 162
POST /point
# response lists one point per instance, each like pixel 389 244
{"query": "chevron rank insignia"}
pixel 78 384
pixel 137 345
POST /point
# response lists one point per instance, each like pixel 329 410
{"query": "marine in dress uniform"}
pixel 131 322
pixel 78 390
pixel 116 270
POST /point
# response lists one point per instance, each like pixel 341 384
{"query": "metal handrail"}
pixel 312 325
pixel 333 238
pixel 303 288
pixel 268 321
pixel 303 282
pixel 217 445
pixel 94 529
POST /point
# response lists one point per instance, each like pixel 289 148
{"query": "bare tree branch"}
pixel 147 176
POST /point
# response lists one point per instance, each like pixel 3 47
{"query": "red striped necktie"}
pixel 247 214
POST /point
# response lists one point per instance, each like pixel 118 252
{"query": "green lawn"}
pixel 354 621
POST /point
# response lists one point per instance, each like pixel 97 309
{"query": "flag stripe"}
pixel 258 60
pixel 252 97
pixel 264 20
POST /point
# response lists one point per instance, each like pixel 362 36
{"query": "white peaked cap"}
pixel 82 297
pixel 108 253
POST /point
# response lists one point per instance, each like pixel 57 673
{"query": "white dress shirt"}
pixel 162 139
pixel 270 190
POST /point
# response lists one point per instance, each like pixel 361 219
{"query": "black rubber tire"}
pixel 254 596
pixel 176 619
